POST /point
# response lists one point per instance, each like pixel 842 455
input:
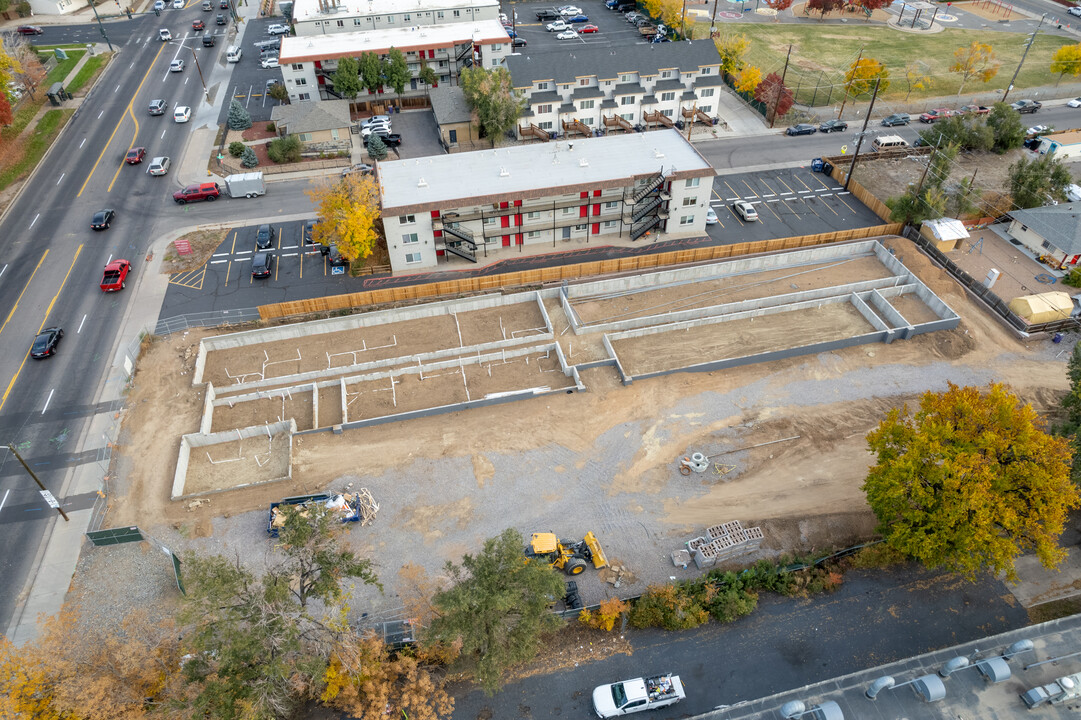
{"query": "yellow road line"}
pixel 134 136
pixel 118 122
pixel 16 305
pixel 229 266
pixel 277 264
pixel 44 320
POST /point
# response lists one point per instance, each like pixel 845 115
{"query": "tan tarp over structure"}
pixel 1044 307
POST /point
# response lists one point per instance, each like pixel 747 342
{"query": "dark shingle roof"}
pixel 649 100
pixel 629 89
pixel 548 96
pixel 668 85
pixel 585 93
pixel 610 62
pixel 608 104
pixel 1058 224
pixel 448 104
pixel 709 80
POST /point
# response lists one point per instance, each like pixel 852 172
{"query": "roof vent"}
pixel 583 163
pixel 657 153
pixel 422 183
pixel 570 146
pixel 503 172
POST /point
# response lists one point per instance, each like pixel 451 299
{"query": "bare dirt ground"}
pixel 203 244
pixel 247 461
pixel 603 460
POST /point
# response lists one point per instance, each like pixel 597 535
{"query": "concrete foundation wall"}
pixel 208 409
pixel 354 322
pixel 200 440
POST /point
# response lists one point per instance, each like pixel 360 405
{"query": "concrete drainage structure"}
pixel 263 386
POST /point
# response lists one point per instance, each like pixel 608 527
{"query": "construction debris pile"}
pixel 721 542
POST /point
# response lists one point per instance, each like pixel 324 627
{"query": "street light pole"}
pixel 94 7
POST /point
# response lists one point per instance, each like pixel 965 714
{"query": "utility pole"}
pixel 49 498
pixel 930 160
pixel 1031 40
pixel 683 21
pixel 856 66
pixel 863 131
pixel 94 7
pixel 713 20
pixel 780 88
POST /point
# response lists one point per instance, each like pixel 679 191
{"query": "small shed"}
pixel 945 233
pixel 453 116
pixel 1045 307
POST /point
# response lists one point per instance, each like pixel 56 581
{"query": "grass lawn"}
pixel 52 122
pixel 823 53
pixel 23 116
pixel 63 67
pixel 87 72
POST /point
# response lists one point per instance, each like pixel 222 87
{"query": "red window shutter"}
pixel 504 221
pixel 517 203
pixel 596 193
pixel 585 194
pixel 437 233
pixel 597 209
pixel 503 205
pixel 506 241
pixel 435 213
pixel 596 228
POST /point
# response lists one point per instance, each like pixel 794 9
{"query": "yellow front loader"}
pixel 570 557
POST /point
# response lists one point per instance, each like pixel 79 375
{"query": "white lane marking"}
pixel 6 493
pixel 844 193
pixel 81 325
pixel 215 262
pixel 131 66
pixel 3 270
pixel 288 247
pixel 162 134
pixel 219 254
pixel 34 220
pixel 770 195
pixel 100 114
pixel 84 141
pixel 244 252
pixel 186 81
pixel 289 254
pixel 61 178
pixel 117 89
pixel 248 99
pixel 47 401
pixel 110 259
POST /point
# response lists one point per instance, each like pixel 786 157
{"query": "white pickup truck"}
pixel 631 696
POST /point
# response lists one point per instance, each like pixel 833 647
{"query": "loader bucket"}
pixel 594 545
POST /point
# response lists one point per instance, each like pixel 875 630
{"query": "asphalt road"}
pixel 874 618
pixel 50 265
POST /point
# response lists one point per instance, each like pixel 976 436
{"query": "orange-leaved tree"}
pixel 977 61
pixel 349 215
pixel 970 481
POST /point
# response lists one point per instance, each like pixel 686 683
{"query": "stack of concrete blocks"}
pixel 723 542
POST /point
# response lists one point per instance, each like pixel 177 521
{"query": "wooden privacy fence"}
pixel 634 263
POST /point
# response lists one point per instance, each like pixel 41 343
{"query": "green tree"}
pixel 490 95
pixel 1006 128
pixel 1034 183
pixel 236 148
pixel 732 47
pixel 428 76
pixel 1071 406
pixel 396 70
pixel 965 132
pixel 239 118
pixel 346 78
pixel 278 92
pixel 913 208
pixel 256 648
pixel 497 607
pixel 284 150
pixel 371 72
pixel 248 158
pixel 970 482
pixel 1067 59
pixel 376 147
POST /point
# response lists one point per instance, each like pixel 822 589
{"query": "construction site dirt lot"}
pixel 604 460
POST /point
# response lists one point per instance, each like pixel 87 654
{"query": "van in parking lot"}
pixel 888 142
pixel 232 54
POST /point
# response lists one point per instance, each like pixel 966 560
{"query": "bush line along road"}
pixel 54 268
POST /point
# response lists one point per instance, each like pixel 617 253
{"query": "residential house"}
pixel 456 207
pixel 1054 230
pixel 322 126
pixel 453 118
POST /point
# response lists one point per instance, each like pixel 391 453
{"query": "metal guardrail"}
pixel 176 323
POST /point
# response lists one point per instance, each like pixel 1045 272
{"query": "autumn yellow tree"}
pixel 1066 60
pixel 26 688
pixel 970 481
pixel 863 74
pixel 349 215
pixel 748 79
pixel 732 48
pixel 977 61
pixel 9 67
pixel 919 77
pixel 364 679
pixel 671 13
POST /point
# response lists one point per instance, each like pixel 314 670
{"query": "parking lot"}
pixel 248 82
pixel 613 28
pixel 298 272
pixel 789 202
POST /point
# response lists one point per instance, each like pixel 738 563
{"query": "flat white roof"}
pixel 521 169
pixel 417 37
pixel 306 10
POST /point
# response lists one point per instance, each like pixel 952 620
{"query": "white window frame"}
pixel 413 258
pixel 407 219
pixel 410 239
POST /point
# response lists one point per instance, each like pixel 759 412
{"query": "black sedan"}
pixel 102 219
pixel 896 119
pixel 833 126
pixel 45 343
pixel 801 129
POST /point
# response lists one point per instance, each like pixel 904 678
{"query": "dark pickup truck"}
pixel 547 15
pixel 115 274
pixel 975 109
pixel 1027 106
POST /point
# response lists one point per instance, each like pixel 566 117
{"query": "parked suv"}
pixel 262 265
pixel 29 30
pixel 264 237
pixel 203 191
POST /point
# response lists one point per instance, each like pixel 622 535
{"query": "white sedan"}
pixel 176 65
pixel 1038 129
pixel 270 63
pixel 745 210
pixel 1075 103
pixel 159 166
pixel 1075 11
pixel 182 114
pixel 711 217
pixel 569 10
pixel 567 35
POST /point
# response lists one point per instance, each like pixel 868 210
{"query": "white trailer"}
pixel 247 185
